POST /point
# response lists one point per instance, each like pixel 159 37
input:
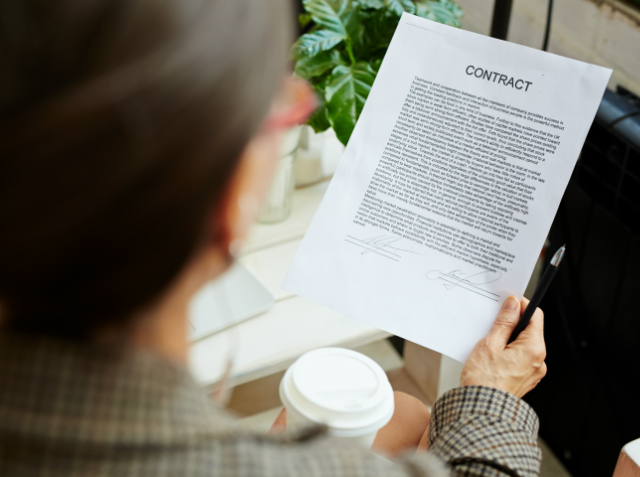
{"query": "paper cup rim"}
pixel 380 418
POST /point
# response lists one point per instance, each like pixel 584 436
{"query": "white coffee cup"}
pixel 343 389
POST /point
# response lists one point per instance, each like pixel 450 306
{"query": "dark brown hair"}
pixel 121 122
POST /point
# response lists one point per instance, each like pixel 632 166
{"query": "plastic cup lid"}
pixel 341 388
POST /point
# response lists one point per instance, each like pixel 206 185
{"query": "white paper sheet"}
pixel 446 191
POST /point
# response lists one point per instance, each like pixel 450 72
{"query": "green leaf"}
pixel 442 11
pixel 346 93
pixel 376 4
pixel 422 10
pixel 400 6
pixel 452 7
pixel 310 44
pixel 376 34
pixel 319 120
pixel 342 52
pixel 334 15
pixel 304 19
pixel 317 65
pixel 443 14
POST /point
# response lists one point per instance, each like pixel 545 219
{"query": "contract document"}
pixel 448 186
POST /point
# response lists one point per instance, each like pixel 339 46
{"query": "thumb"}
pixel 504 323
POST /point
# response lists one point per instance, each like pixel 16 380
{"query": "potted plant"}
pixel 343 48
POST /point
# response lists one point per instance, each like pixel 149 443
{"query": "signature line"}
pixel 468 284
pixel 372 250
pixel 469 289
pixel 377 247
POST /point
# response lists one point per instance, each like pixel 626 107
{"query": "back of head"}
pixel 121 122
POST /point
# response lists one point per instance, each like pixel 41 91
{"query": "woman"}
pixel 138 139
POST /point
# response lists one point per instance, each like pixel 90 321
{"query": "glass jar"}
pixel 277 204
pixel 308 165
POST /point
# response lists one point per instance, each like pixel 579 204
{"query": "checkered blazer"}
pixel 75 410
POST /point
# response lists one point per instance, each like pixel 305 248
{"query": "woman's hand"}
pixel 517 367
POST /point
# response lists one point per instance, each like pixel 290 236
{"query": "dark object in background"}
pixel 588 403
pixel 298 9
pixel 397 343
pixel 501 18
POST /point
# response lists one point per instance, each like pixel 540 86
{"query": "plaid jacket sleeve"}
pixel 478 430
pixel 475 431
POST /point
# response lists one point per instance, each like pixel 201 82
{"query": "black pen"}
pixel 541 289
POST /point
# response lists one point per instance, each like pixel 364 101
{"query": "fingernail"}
pixel 510 304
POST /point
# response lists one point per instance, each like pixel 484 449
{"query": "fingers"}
pixel 533 336
pixel 504 323
pixel 516 368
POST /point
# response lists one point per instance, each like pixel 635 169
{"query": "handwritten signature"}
pixel 386 245
pixel 471 282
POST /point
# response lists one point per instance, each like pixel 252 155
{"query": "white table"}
pixel 270 342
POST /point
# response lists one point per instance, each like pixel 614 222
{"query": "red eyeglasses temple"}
pixel 298 113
